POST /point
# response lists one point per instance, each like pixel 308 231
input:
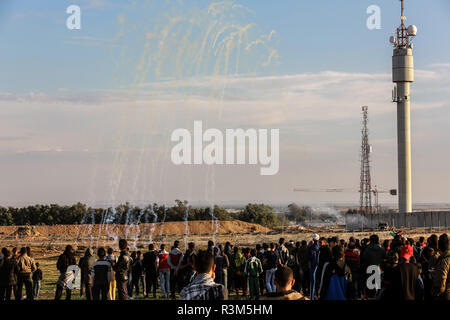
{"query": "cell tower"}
pixel 403 76
pixel 366 182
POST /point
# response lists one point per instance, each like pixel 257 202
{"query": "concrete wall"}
pixel 399 220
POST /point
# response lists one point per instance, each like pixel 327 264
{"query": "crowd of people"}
pixel 18 270
pixel 321 269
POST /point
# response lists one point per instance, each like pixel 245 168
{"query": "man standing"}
pixel 121 269
pixel 441 279
pixel 253 269
pixel 112 259
pixel 25 267
pixel 85 265
pixel 335 277
pixel 8 275
pixel 164 272
pixel 313 257
pixel 186 271
pixel 150 265
pixel 352 259
pixel 262 276
pixel 64 261
pixel 101 276
pixel 237 269
pixel 203 287
pixel 282 252
pixel 404 276
pixel 271 260
pixel 175 257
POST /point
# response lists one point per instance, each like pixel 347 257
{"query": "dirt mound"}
pixel 24 232
pixel 144 229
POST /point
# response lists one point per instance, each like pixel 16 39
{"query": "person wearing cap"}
pixel 404 276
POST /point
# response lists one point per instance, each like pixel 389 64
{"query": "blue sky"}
pixel 86 114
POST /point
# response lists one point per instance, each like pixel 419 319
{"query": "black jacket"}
pixel 37 275
pixel 8 272
pixel 64 261
pixel 122 267
pixel 149 261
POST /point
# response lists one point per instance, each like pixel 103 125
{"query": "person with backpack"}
pixel 121 269
pixel 336 275
pixel 101 276
pixel 271 261
pixel 25 268
pixel 65 260
pixel 150 264
pixel 253 269
pixel 8 275
pixel 85 264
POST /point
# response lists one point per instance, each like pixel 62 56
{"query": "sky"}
pixel 87 115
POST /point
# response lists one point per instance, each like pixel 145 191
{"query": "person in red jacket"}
pixel 164 271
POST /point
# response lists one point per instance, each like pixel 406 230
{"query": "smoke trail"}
pixel 162 223
pixel 166 56
pixel 155 219
pixel 186 223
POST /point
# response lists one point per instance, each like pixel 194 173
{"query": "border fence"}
pixel 430 219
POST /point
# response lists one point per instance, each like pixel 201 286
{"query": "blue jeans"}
pixel 270 276
pixel 164 278
pixel 36 288
pixel 312 281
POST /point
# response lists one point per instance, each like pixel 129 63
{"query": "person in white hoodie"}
pixel 174 261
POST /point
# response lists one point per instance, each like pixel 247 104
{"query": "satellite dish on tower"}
pixel 412 31
pixel 392 40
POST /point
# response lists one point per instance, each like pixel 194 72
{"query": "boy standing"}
pixel 37 277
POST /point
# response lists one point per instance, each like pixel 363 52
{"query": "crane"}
pixel 375 191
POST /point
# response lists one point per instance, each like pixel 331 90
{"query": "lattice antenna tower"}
pixel 366 181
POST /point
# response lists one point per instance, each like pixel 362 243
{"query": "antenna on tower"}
pixel 366 182
pixel 403 36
